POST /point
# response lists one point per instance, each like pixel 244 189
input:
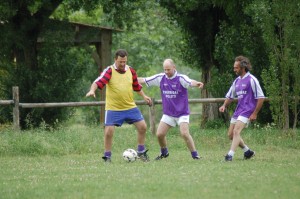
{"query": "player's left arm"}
pixel 141 80
pixel 146 98
pixel 187 82
pixel 259 104
pixel 137 87
pixel 259 95
pixel 195 83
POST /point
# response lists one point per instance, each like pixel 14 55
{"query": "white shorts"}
pixel 243 119
pixel 173 121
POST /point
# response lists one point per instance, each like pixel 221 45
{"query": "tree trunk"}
pixel 296 112
pixel 27 55
pixel 285 100
pixel 26 29
pixel 209 110
pixel 286 119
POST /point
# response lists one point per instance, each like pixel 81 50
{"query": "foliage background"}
pixel 203 37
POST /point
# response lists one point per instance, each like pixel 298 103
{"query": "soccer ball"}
pixel 130 155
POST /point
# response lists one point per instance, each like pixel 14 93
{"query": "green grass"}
pixel 66 163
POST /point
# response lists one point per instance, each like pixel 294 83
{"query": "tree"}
pixel 41 77
pixel 29 65
pixel 239 36
pixel 216 31
pixel 280 25
pixel 150 39
pixel 200 21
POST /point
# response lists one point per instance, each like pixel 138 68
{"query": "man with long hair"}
pixel 250 100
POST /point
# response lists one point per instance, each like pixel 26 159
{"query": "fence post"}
pixel 152 117
pixel 16 111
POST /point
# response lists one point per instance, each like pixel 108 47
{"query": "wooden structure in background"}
pixel 98 36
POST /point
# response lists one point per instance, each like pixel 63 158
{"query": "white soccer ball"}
pixel 130 155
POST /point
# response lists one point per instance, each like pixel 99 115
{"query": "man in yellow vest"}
pixel 121 81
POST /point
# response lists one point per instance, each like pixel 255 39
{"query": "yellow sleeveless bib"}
pixel 119 92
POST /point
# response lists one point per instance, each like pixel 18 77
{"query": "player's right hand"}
pixel 91 93
pixel 148 100
pixel 222 109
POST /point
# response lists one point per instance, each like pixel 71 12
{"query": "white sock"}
pixel 246 148
pixel 231 153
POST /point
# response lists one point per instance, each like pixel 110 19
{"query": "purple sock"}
pixel 141 148
pixel 107 153
pixel 194 153
pixel 164 151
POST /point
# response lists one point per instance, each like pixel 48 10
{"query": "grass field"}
pixel 66 163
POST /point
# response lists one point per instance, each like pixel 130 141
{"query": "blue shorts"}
pixel 117 118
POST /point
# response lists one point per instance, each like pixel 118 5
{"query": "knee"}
pixel 230 134
pixel 185 134
pixel 235 133
pixel 142 128
pixel 109 134
pixel 159 135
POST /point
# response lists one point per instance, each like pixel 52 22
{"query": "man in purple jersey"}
pixel 176 110
pixel 250 100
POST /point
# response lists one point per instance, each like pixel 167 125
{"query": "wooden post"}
pixel 16 112
pixel 152 117
pixel 104 53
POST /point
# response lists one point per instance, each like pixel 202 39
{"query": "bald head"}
pixel 169 67
pixel 169 62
